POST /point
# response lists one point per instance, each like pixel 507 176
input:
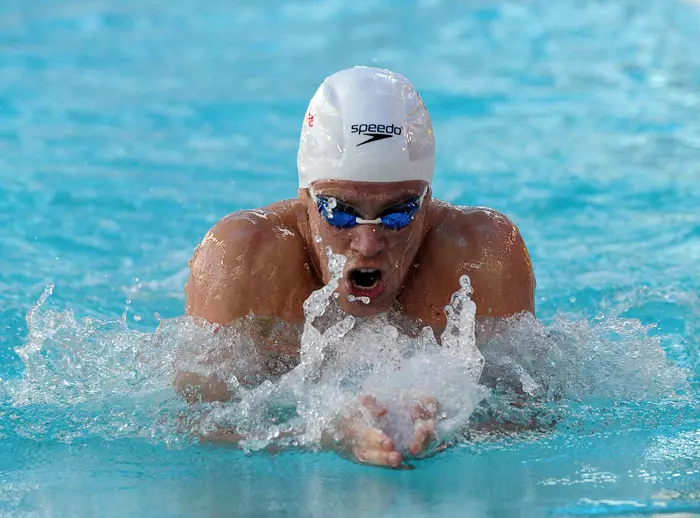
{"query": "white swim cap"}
pixel 366 125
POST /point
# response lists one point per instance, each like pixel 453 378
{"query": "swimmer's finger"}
pixel 375 407
pixel 375 439
pixel 425 408
pixel 358 434
pixel 379 457
pixel 424 434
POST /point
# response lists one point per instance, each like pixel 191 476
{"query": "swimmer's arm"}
pixel 349 435
pixel 224 270
pixel 217 292
pixel 503 295
pixel 505 286
pixel 506 292
pixel 249 264
pixel 243 266
pixel 196 388
pixel 487 247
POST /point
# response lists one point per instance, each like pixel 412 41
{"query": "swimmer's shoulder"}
pixel 269 228
pixel 480 227
pixel 486 245
pixel 252 261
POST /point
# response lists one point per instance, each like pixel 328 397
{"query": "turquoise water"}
pixel 128 128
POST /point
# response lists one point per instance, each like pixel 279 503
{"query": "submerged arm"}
pixel 245 273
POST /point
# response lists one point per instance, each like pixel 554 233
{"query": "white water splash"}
pixel 98 378
pixel 355 356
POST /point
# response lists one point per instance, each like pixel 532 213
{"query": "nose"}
pixel 367 240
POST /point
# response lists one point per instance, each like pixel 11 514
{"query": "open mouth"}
pixel 365 283
pixel 365 279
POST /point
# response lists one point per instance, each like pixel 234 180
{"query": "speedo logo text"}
pixel 375 131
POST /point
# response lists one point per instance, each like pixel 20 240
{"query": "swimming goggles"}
pixel 340 215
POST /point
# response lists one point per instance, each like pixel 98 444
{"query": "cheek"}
pixel 404 245
pixel 324 235
pixel 402 252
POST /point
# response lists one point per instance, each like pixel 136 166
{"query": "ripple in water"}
pixel 91 378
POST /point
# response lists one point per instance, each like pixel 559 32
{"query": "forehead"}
pixel 369 192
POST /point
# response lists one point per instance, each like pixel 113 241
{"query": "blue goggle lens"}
pixel 337 218
pixel 397 220
pixel 345 218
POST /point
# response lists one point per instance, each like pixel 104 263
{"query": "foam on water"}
pixel 99 378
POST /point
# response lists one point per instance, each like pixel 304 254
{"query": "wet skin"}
pixel 267 261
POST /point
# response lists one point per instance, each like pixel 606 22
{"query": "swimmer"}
pixel 365 169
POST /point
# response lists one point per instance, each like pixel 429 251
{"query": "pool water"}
pixel 128 128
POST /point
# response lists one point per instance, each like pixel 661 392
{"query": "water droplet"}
pixel 364 300
pixel 273 432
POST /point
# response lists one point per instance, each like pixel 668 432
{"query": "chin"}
pixel 360 309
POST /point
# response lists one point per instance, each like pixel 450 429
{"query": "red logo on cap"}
pixel 310 120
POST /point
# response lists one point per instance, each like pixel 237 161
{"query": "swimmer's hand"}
pixel 362 440
pixel 358 436
pixel 425 414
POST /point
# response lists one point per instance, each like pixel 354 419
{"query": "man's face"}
pixel 378 257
